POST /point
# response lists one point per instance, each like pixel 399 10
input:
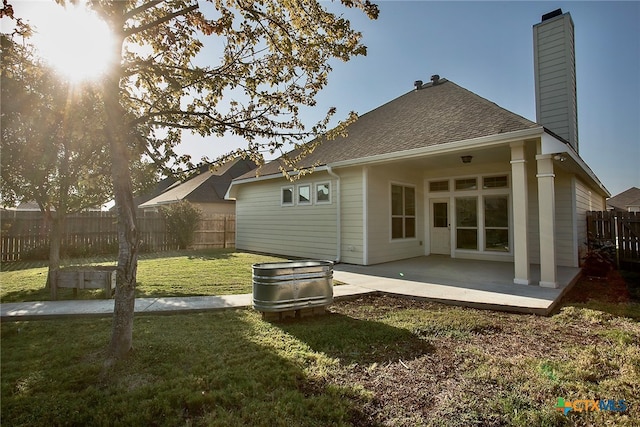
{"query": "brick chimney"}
pixel 555 75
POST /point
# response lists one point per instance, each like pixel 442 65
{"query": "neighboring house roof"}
pixel 432 115
pixel 624 200
pixel 28 206
pixel 158 189
pixel 206 187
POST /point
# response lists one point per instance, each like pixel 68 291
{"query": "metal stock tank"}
pixel 292 287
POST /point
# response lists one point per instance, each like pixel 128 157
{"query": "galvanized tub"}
pixel 292 285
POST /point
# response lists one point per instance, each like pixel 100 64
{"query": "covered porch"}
pixel 473 283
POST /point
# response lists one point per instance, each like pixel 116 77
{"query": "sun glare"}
pixel 75 42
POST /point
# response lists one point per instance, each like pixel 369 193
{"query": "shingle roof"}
pixel 622 201
pixel 435 114
pixel 207 187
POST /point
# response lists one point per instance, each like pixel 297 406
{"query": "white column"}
pixel 520 203
pixel 547 218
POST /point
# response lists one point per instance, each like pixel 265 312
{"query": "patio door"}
pixel 440 227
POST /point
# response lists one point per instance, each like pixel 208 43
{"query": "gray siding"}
pixel 586 200
pixel 352 216
pixel 263 225
pixel 566 250
pixel 381 247
pixel 555 77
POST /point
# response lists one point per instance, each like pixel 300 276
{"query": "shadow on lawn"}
pixel 219 369
pixel 356 341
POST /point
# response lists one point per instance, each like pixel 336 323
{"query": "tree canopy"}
pixel 272 59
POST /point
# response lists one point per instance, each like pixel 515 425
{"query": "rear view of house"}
pixel 439 171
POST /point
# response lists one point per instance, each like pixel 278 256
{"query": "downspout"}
pixel 338 216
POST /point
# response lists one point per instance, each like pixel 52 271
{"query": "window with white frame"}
pixel 286 196
pixel 323 192
pixel 467 223
pixel 403 212
pixel 304 194
pixel 496 223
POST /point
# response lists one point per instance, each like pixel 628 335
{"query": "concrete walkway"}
pixel 168 305
pixel 458 282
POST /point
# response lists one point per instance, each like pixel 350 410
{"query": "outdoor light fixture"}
pixel 559 157
pixel 466 159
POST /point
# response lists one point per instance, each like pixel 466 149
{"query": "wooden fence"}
pixel 620 230
pixel 26 234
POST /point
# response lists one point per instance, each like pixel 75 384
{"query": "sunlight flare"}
pixel 75 42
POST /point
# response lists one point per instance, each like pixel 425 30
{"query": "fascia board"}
pixel 552 145
pixel 450 147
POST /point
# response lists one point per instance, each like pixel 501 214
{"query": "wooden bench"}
pixel 99 277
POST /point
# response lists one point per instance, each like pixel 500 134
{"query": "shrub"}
pixel 182 221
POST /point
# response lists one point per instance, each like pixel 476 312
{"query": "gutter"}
pixel 338 216
pixel 445 148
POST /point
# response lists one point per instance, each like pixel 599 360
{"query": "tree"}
pixel 274 59
pixel 52 150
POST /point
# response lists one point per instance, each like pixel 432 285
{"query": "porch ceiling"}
pixel 499 154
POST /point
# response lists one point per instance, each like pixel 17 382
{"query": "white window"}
pixel 403 212
pixel 495 182
pixel 496 223
pixel 323 192
pixel 304 194
pixel 467 223
pixel 286 196
pixel 435 186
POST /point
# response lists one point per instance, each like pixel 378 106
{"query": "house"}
pixel 439 170
pixel 206 190
pixel 627 201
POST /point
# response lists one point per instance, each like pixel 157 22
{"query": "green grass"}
pixel 372 361
pixel 184 273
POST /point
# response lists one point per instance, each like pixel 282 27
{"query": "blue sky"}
pixel 487 47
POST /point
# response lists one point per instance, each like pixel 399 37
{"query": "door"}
pixel 440 227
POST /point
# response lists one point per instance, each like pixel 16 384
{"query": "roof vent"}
pixel 550 15
pixel 435 78
pixel 418 84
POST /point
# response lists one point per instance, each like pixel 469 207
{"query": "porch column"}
pixel 520 202
pixel 547 219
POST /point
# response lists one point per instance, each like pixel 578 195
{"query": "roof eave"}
pixel 450 147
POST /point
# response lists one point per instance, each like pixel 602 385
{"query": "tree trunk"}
pixel 122 327
pixel 55 240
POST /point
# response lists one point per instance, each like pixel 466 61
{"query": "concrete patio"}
pixel 479 284
pixel 472 283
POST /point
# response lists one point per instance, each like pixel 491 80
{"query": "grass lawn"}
pixel 183 273
pixel 373 361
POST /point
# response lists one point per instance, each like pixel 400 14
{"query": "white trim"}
pixel 293 196
pixel 315 194
pixel 449 147
pixel 309 201
pixel 415 215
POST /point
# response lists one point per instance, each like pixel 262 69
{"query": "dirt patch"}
pixel 614 288
pixel 473 376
